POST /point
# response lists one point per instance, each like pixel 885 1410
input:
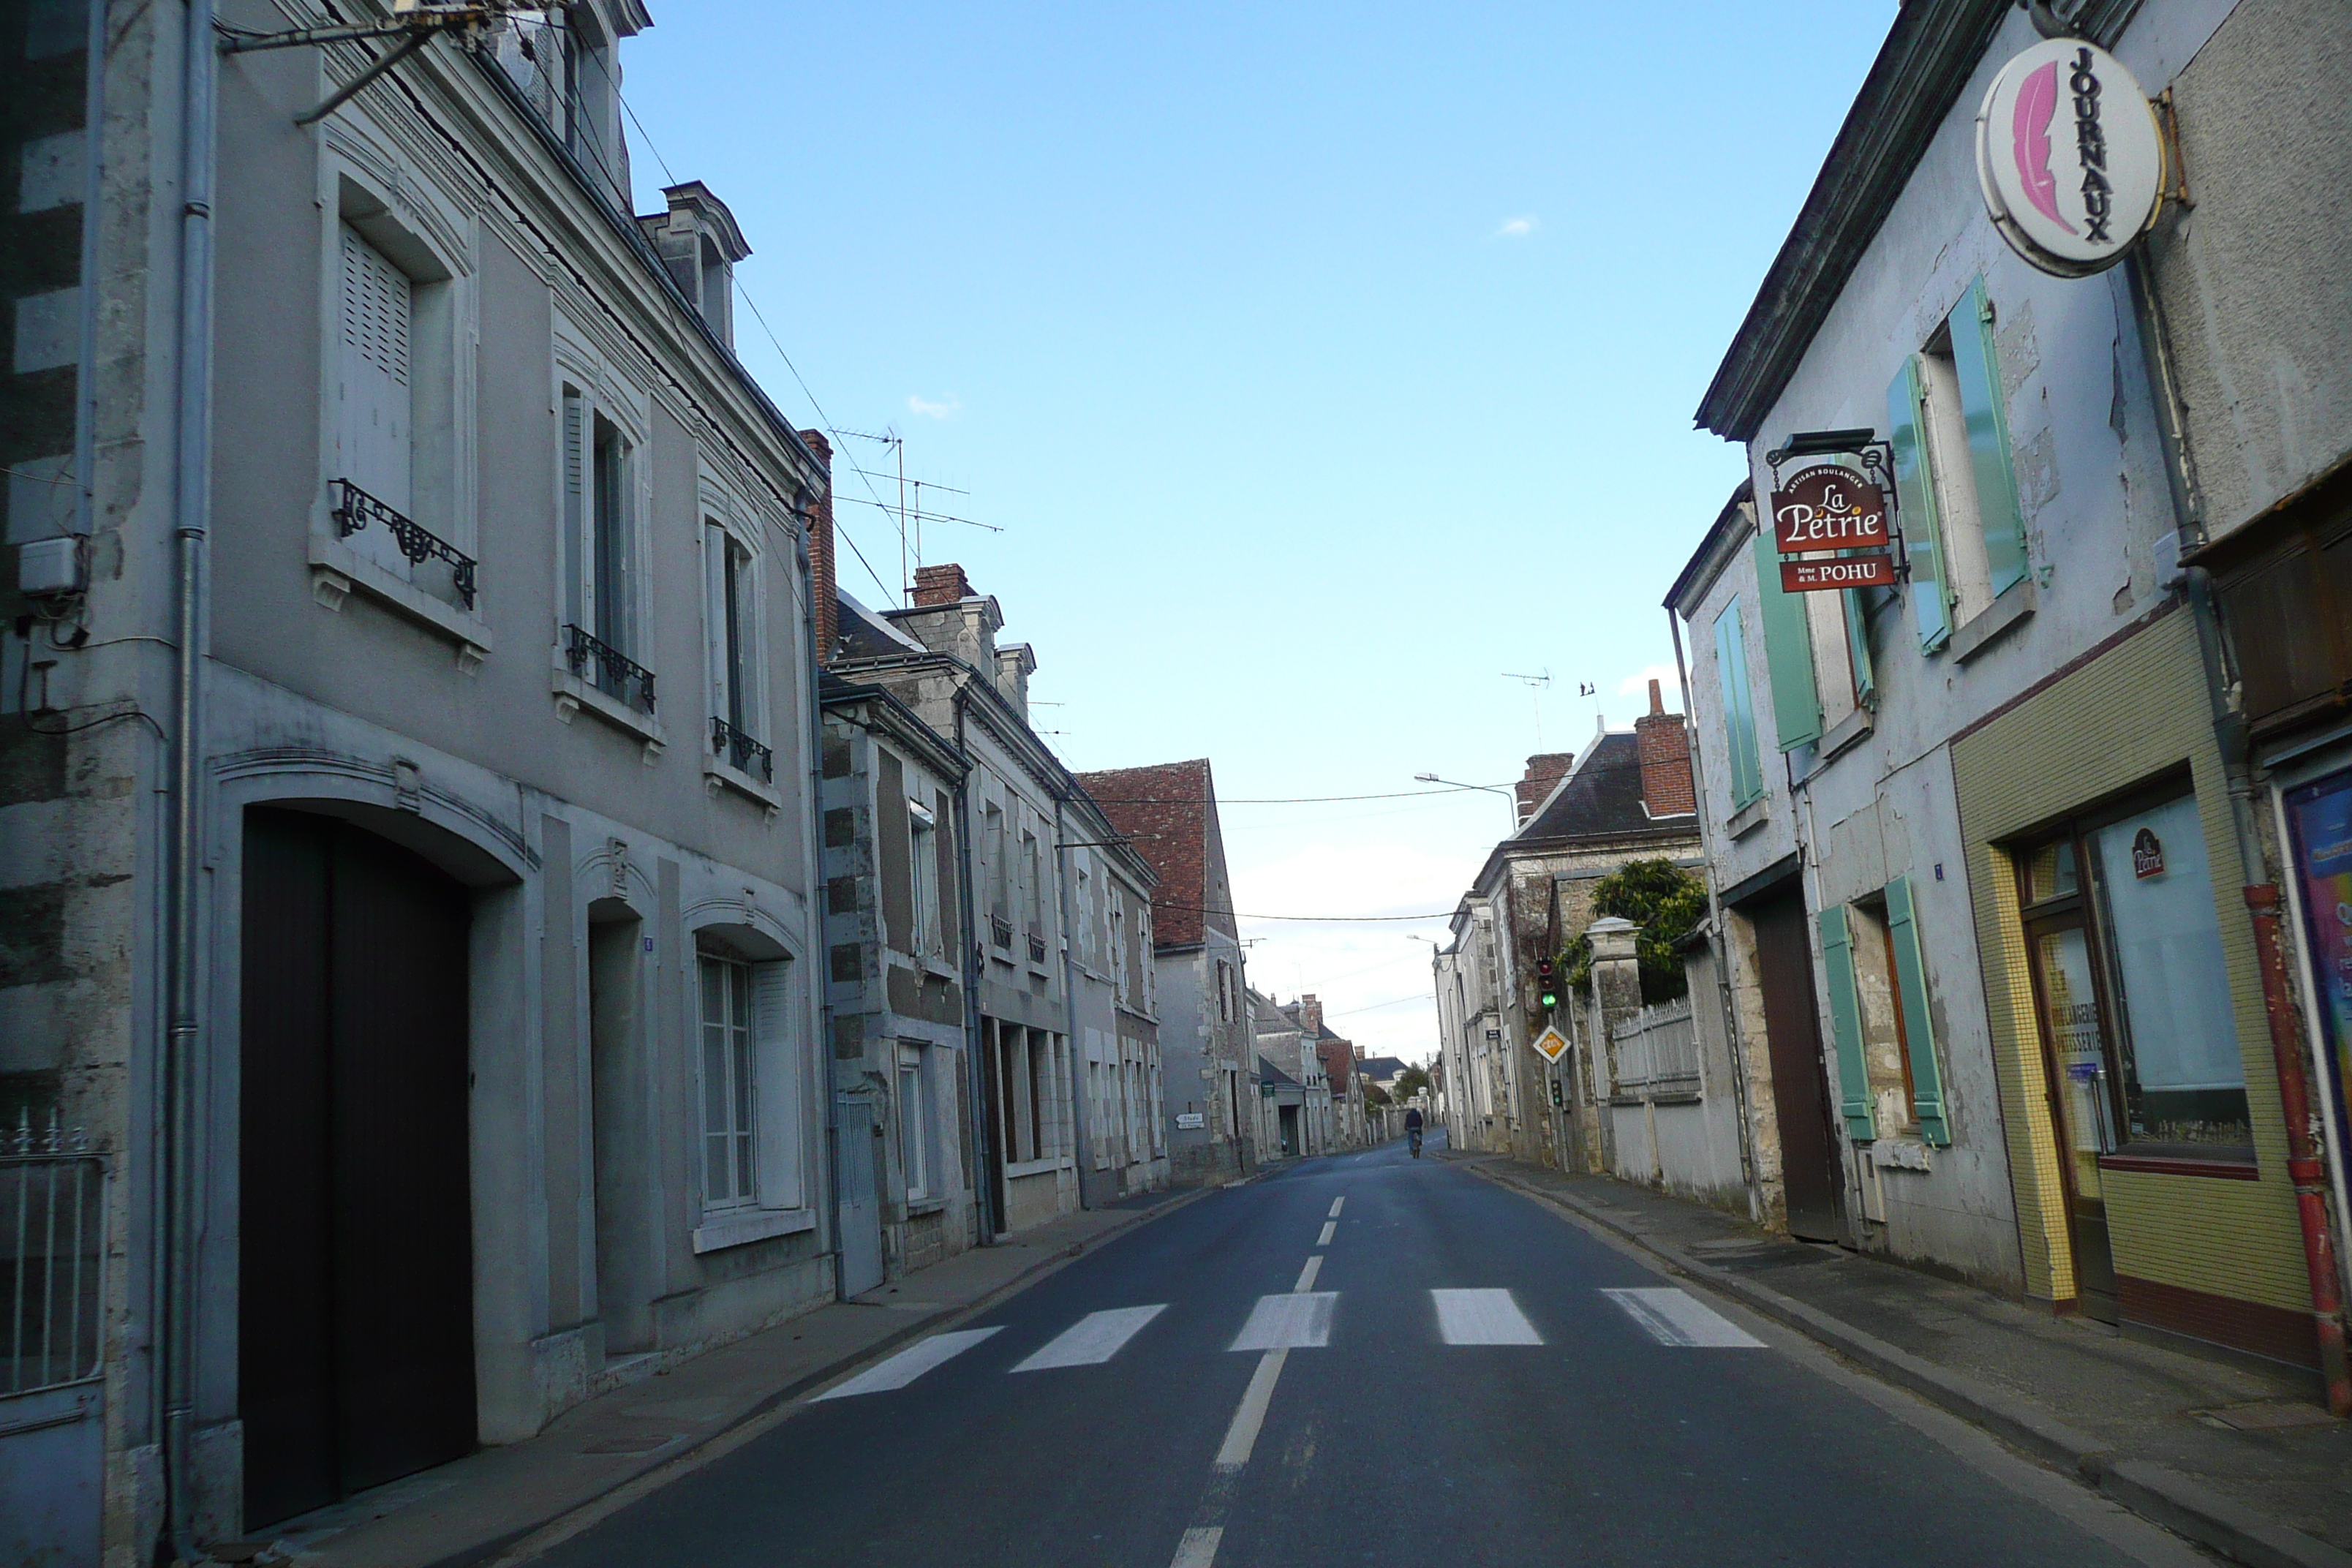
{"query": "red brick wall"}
pixel 828 606
pixel 1544 770
pixel 944 585
pixel 1665 747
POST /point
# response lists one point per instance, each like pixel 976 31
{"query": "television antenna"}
pixel 911 518
pixel 1534 685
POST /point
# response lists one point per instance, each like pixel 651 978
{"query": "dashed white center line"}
pixel 1676 1318
pixel 909 1363
pixel 1483 1318
pixel 1336 1203
pixel 1199 1548
pixel 1299 1320
pixel 1330 1225
pixel 1306 1275
pixel 1092 1339
pixel 1241 1436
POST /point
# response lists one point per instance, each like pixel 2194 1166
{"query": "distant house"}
pixel 1168 815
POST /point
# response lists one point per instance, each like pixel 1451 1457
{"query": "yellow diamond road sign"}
pixel 1550 1044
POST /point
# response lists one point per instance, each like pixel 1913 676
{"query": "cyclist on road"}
pixel 1412 1129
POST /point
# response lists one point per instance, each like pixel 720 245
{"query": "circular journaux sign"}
pixel 2070 157
pixel 1828 507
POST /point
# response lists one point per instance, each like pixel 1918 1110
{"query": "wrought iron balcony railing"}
pixel 1037 948
pixel 740 751
pixel 615 673
pixel 355 508
pixel 1002 930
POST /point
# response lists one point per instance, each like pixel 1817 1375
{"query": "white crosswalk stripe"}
pixel 1092 1339
pixel 1481 1318
pixel 1300 1320
pixel 909 1363
pixel 1676 1318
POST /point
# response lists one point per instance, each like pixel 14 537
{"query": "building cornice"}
pixel 1928 56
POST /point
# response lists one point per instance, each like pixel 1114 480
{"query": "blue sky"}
pixel 1321 364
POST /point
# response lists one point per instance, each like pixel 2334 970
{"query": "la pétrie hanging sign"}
pixel 1829 523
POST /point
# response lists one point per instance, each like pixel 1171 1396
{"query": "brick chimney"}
pixel 1545 768
pixel 1310 1015
pixel 1665 747
pixel 937 585
pixel 820 521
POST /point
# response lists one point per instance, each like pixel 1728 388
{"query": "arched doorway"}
pixel 355 1358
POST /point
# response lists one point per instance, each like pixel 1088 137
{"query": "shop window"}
pixel 2142 1041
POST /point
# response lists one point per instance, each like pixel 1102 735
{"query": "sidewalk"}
pixel 2240 1458
pixel 467 1512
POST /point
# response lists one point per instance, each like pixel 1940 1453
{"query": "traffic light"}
pixel 1547 984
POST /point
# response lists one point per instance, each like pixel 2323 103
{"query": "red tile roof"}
pixel 1169 811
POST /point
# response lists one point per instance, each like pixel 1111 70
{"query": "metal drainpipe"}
pixel 2305 1171
pixel 183 1039
pixel 1079 1152
pixel 975 1070
pixel 814 845
pixel 1719 942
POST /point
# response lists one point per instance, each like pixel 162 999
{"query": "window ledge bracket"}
pixel 918 1208
pixel 1843 736
pixel 718 776
pixel 1748 817
pixel 1995 621
pixel 741 1227
pixel 573 695
pixel 336 570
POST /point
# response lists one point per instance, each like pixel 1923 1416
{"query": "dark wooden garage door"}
pixel 355 1280
pixel 1809 1158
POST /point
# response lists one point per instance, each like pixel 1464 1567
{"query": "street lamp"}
pixel 1511 797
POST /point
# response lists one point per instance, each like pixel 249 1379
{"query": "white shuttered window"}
pixel 374 414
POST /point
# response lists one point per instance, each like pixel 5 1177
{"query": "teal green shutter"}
pixel 1857 648
pixel 1978 369
pixel 1845 1022
pixel 1915 504
pixel 1918 1032
pixel 1788 649
pixel 1738 707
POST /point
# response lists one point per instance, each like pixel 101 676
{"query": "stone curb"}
pixel 2153 1491
pixel 684 1458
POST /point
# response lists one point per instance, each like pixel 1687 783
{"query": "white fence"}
pixel 1657 1052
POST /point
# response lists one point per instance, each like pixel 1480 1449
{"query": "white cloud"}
pixel 931 410
pixel 1518 227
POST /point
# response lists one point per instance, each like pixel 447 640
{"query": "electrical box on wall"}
pixel 49 568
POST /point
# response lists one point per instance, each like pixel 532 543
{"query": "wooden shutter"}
pixel 1739 706
pixel 1978 369
pixel 1845 1024
pixel 576 609
pixel 1915 500
pixel 714 618
pixel 1918 1029
pixel 1857 648
pixel 374 435
pixel 775 1048
pixel 1788 650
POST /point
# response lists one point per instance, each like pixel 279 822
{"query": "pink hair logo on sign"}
pixel 2037 104
pixel 2070 201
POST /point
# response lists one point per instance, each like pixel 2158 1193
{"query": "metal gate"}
pixel 356 1264
pixel 52 1398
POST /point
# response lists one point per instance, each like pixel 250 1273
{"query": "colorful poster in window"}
pixel 2321 816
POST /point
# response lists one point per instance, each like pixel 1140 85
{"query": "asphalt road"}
pixel 1427 1427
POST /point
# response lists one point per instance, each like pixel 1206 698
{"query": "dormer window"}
pixel 697 241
